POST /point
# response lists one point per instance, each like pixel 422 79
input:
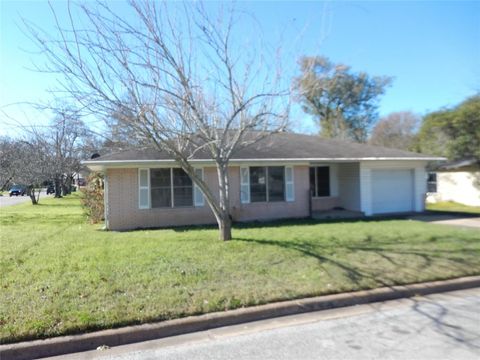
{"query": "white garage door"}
pixel 392 191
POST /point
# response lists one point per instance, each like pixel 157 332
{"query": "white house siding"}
pixel 419 181
pixel 459 186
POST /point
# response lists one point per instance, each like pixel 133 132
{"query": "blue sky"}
pixel 432 49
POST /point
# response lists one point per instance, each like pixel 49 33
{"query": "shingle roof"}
pixel 457 164
pixel 288 146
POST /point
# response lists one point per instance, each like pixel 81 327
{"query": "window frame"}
pixel 172 205
pixel 432 182
pixel 169 187
pixel 144 187
pixel 315 195
pixel 267 189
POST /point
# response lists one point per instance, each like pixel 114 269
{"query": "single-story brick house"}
pixel 457 181
pixel 287 175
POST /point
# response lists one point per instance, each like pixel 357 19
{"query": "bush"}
pixel 92 199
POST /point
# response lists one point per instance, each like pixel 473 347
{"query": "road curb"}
pixel 132 334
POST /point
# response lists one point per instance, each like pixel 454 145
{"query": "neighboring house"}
pixel 457 181
pixel 284 176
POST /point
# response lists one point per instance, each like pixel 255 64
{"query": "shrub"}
pixel 92 199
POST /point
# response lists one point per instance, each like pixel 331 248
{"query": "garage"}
pixel 392 191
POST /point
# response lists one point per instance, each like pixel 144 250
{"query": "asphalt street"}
pixel 6 200
pixel 440 326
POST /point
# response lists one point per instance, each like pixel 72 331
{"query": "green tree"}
pixel 454 132
pixel 344 102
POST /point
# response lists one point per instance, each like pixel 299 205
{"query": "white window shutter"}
pixel 289 185
pixel 244 185
pixel 198 198
pixel 144 188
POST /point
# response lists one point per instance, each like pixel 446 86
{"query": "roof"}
pixel 457 164
pixel 278 147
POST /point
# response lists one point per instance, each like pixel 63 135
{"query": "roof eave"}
pixel 99 165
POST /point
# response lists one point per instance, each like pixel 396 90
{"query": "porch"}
pixel 334 190
pixel 355 189
pixel 337 214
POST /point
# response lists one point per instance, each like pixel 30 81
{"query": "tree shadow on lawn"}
pixel 360 272
pixel 282 222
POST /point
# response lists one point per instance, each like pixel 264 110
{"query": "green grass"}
pixel 60 275
pixel 452 206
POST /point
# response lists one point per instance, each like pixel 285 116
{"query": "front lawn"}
pixel 452 206
pixel 61 275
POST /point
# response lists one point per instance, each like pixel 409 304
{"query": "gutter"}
pixel 102 164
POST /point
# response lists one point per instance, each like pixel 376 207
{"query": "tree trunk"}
pixel 219 206
pixel 58 187
pixel 6 183
pixel 224 220
pixel 225 229
pixel 31 194
pixel 67 185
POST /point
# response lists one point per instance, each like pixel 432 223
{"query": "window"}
pixel 258 184
pixel 432 182
pixel 276 183
pixel 170 188
pixel 160 182
pixel 182 188
pixel 320 181
pixel 267 183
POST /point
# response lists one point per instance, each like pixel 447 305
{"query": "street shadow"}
pixel 437 314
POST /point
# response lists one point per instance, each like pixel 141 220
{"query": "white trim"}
pixel 172 192
pixel 289 184
pixel 233 161
pixel 105 200
pixel 147 188
pixel 244 185
pixel 197 191
pixel 333 180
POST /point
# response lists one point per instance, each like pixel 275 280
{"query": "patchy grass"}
pixel 452 206
pixel 61 275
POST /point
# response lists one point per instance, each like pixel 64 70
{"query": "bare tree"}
pixel 64 143
pixel 186 81
pixel 396 130
pixel 117 136
pixel 8 151
pixel 28 165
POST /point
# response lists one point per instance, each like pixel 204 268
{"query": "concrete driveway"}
pixel 469 222
pixel 472 221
